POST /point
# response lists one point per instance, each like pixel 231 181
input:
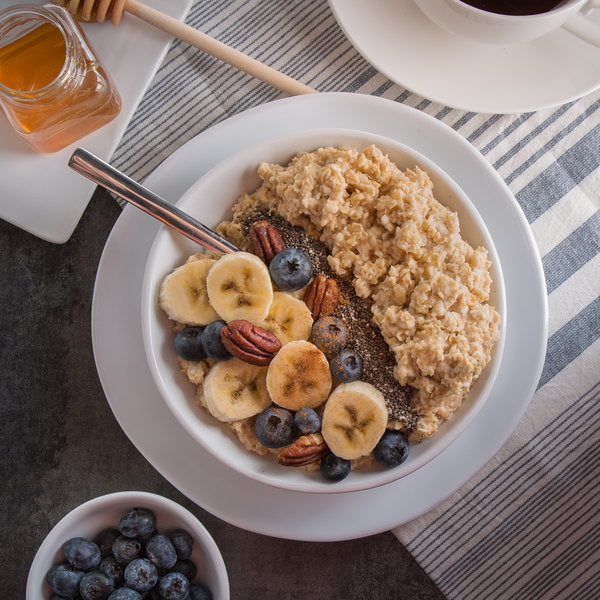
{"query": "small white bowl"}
pixel 91 517
pixel 209 200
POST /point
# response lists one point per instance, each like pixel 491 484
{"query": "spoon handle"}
pixel 100 172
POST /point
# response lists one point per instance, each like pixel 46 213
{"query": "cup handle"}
pixel 583 28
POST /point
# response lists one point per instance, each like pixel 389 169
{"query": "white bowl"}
pixel 209 200
pixel 91 517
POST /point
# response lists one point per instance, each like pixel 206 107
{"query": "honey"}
pixel 53 90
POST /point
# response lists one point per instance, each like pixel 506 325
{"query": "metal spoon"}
pixel 100 172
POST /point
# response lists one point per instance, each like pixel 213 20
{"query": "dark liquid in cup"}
pixel 515 7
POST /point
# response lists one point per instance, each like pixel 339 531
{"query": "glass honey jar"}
pixel 53 89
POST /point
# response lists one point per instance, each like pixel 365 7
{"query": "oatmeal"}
pixel 402 252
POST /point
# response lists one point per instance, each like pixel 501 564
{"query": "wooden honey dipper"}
pixel 97 10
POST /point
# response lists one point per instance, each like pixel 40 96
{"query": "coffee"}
pixel 515 7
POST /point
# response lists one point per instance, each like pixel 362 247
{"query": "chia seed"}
pixel 366 338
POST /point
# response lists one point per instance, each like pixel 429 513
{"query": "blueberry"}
pixel 183 543
pixel 161 552
pixel 346 366
pixel 187 567
pixel 334 468
pixel 125 594
pixel 307 420
pixel 82 553
pixel 138 522
pixel 211 341
pixel 105 539
pixel 140 575
pixel 274 427
pixel 109 566
pixel 198 591
pixel 290 269
pixel 95 586
pixel 330 335
pixel 392 449
pixel 64 580
pixel 126 549
pixel 174 586
pixel 188 343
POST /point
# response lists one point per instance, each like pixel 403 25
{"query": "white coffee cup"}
pixel 492 28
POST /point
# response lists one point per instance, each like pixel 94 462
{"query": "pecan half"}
pixel 265 240
pixel 321 296
pixel 249 342
pixel 305 450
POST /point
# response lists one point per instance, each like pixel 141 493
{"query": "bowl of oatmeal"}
pixel 404 302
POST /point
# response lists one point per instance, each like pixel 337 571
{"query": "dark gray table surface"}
pixel 61 445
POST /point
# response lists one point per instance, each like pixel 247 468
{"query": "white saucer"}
pixel 38 192
pixel 141 412
pixel 403 44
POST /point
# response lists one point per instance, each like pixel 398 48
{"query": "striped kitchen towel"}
pixel 528 525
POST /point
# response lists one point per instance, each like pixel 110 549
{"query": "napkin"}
pixel 528 525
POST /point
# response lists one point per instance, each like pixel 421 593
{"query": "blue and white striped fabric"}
pixel 528 526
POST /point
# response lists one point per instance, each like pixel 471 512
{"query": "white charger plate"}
pixel 403 44
pixel 249 504
pixel 39 192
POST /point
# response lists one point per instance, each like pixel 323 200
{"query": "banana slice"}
pixel 289 318
pixel 235 390
pixel 299 376
pixel 239 287
pixel 354 419
pixel 183 294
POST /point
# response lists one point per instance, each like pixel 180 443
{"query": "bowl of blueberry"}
pixel 128 546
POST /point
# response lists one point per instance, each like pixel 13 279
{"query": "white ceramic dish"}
pixel 38 192
pixel 91 517
pixel 223 185
pixel 403 44
pixel 244 502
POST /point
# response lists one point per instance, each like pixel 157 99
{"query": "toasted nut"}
pixel 322 296
pixel 305 450
pixel 265 240
pixel 249 342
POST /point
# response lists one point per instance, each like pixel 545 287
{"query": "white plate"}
pixel 141 412
pixel 39 192
pixel 403 44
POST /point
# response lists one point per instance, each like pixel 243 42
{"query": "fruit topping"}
pixel 239 287
pixel 330 335
pixel 290 269
pixel 289 319
pixel 354 419
pixel 274 427
pixel 188 343
pixel 183 294
pixel 212 342
pixel 299 376
pixel 334 468
pixel 235 390
pixel 249 342
pixel 307 420
pixel 265 240
pixel 346 366
pixel 392 449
